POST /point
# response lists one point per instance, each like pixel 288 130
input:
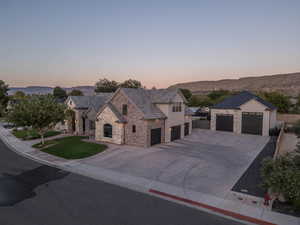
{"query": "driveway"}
pixel 207 161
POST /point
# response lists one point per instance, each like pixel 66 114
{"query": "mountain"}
pixel 288 84
pixel 87 90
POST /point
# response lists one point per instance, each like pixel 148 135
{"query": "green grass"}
pixel 71 147
pixel 32 134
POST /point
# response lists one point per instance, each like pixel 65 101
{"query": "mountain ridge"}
pixel 288 83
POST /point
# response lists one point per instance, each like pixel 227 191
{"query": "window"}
pixel 133 128
pixel 92 125
pixel 107 130
pixel 124 109
pixel 177 107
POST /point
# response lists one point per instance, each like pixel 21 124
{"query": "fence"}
pixel 202 124
pixel 288 118
pixel 279 140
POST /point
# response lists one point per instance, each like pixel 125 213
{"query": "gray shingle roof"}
pixel 95 101
pixel 235 101
pixel 142 99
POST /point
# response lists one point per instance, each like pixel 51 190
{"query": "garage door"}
pixel 224 122
pixel 252 123
pixel 155 136
pixel 175 132
pixel 186 129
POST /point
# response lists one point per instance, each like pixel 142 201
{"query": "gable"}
pixel 253 106
pixel 107 114
pixel 178 98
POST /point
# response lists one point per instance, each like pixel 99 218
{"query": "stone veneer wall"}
pixel 107 116
pixel 134 117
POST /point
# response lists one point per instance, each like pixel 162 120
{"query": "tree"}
pixel 41 112
pixel 59 93
pixel 200 101
pixel 187 93
pixel 76 92
pixel 105 85
pixel 19 95
pixel 279 100
pixel 130 83
pixel 215 95
pixel 3 96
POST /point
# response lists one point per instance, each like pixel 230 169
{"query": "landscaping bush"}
pixel 274 131
pixel 31 134
pixel 282 176
pixel 296 127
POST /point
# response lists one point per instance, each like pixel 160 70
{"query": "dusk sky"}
pixel 69 43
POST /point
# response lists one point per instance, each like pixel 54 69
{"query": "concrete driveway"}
pixel 206 161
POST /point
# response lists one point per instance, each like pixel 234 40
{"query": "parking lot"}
pixel 206 161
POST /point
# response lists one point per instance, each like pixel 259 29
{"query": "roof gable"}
pixel 235 101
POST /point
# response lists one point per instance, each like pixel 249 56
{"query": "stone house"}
pixel 143 117
pixel 244 113
pixel 84 110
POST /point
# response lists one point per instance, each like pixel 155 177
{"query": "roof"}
pixel 194 109
pixel 164 95
pixel 143 100
pixel 235 101
pixel 89 102
pixel 188 111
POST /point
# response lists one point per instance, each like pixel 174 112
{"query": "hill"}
pixel 288 84
pixel 87 90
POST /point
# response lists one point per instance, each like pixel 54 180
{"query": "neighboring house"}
pixel 194 110
pixel 143 117
pixel 85 109
pixel 244 113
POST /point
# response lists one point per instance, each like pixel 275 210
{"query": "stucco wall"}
pixel 107 116
pixel 251 106
pixel 173 118
pixel 273 119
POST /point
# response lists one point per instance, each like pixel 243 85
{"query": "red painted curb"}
pixel 215 209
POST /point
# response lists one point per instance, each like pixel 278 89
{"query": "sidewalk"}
pixel 225 207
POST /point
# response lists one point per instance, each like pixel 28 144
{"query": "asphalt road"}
pixel 34 194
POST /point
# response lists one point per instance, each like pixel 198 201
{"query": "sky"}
pixel 159 42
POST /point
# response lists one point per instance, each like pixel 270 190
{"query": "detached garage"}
pixel 244 113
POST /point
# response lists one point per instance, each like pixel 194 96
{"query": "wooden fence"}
pixel 279 140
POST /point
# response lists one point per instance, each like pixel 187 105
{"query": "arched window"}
pixel 107 130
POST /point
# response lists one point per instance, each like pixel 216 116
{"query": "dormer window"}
pixel 177 107
pixel 124 109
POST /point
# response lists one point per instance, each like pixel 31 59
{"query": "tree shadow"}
pixel 17 188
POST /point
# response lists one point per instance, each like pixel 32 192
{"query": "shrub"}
pixel 282 176
pixel 274 131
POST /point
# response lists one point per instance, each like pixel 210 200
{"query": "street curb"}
pixel 212 208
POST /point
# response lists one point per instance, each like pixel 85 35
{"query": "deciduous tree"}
pixel 59 93
pixel 105 85
pixel 76 92
pixel 3 96
pixel 41 112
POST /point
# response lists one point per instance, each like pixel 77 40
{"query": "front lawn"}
pixel 71 147
pixel 31 134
